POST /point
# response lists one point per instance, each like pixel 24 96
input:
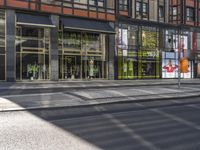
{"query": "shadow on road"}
pixel 130 126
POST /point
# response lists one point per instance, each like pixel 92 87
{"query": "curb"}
pixel 95 86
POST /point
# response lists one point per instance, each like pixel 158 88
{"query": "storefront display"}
pixel 149 64
pixel 170 66
pixel 82 56
pixel 138 58
pixel 32 53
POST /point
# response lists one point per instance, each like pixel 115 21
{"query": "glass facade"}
pixel 32 53
pixel 82 55
pixel 2 46
pixel 175 42
pixel 138 54
pixel 149 65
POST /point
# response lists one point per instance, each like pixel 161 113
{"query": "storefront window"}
pixel 32 53
pixel 149 54
pixel 138 58
pixel 91 41
pixel 170 66
pixel 149 39
pixel 2 45
pixel 127 52
pixel 72 40
pixel 82 56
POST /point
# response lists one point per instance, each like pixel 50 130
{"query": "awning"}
pixel 33 20
pixel 87 25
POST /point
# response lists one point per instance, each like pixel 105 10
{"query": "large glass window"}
pixel 149 53
pixel 127 52
pixel 32 53
pixel 149 39
pixel 138 55
pixel 82 55
pixel 2 45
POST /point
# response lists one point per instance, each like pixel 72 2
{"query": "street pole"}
pixel 179 56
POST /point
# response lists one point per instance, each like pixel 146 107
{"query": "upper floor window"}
pixel 51 2
pixel 190 14
pixel 141 10
pixel 81 1
pixel 138 9
pixel 145 11
pixel 174 12
pixel 123 5
pixel 161 12
pixel 100 3
pixel 111 4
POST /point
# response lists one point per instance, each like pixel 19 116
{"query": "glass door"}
pixel 72 67
pixel 93 68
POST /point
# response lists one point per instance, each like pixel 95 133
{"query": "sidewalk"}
pixel 92 84
pixel 96 93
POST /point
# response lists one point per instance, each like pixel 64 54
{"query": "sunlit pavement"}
pixel 157 125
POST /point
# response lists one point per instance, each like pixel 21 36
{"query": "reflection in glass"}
pixel 34 66
pixel 82 55
pixel 32 53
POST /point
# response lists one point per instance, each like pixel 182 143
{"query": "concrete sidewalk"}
pixel 91 97
pixel 92 84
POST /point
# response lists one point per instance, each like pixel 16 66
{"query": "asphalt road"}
pixel 157 125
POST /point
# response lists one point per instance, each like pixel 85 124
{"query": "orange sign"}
pixel 184 65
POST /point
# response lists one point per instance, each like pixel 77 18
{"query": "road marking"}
pixel 194 106
pixel 191 88
pixel 145 91
pixel 176 118
pixel 36 94
pixel 131 132
pixel 172 90
pixel 116 92
pixel 82 94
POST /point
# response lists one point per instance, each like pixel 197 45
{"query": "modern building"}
pixel 54 39
pixel 150 35
pixel 98 39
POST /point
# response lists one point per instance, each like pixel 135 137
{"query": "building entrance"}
pixel 93 68
pixel 72 67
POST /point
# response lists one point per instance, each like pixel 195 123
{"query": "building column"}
pixel 54 49
pixel 10 46
pixel 111 57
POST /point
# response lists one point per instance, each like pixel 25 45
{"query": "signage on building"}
pixel 150 54
pixel 125 53
pixel 170 66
